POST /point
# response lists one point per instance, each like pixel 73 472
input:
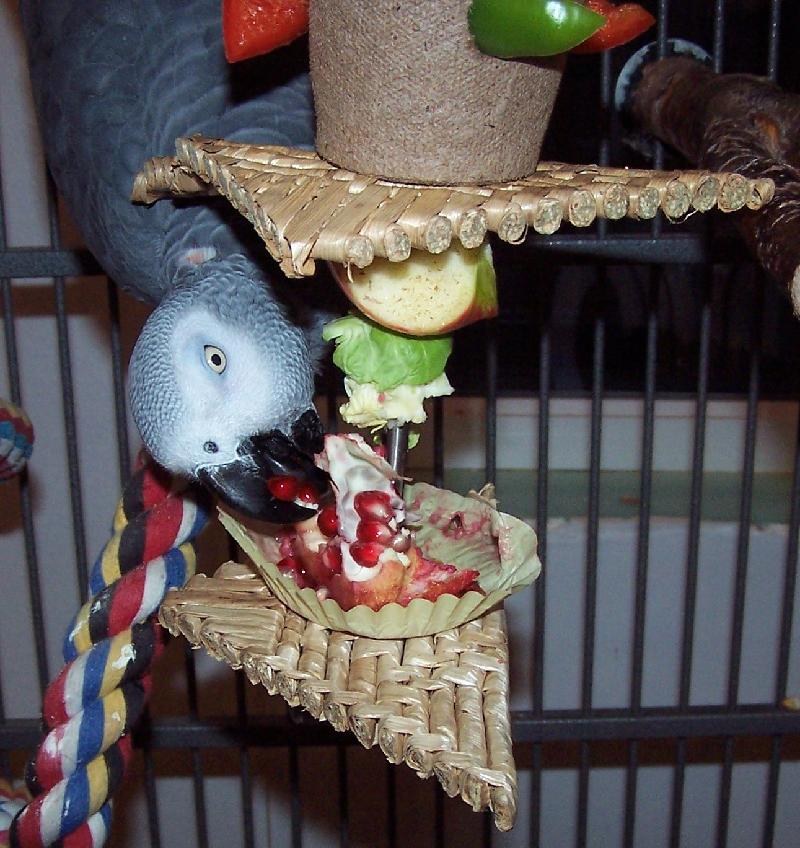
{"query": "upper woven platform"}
pixel 306 209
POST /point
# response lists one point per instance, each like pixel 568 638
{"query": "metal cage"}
pixel 636 400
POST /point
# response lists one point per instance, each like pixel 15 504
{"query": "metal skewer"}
pixel 396 441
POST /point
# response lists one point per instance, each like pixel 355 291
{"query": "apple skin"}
pixel 439 294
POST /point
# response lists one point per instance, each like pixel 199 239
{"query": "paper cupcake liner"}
pixel 464 531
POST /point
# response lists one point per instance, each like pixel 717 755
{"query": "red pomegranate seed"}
pixel 293 566
pixel 366 554
pixel 289 565
pixel 283 488
pixel 307 493
pixel 401 542
pixel 286 544
pixel 374 505
pixel 303 579
pixel 328 521
pixel 332 559
pixel 374 531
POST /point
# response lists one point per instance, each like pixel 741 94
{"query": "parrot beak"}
pixel 242 484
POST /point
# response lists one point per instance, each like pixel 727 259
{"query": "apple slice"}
pixel 427 294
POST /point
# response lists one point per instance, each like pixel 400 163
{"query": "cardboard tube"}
pixel 401 92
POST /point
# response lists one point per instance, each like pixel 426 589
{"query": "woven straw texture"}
pixel 401 91
pixel 438 703
pixel 306 209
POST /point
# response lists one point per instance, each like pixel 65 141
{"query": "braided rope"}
pixel 16 439
pixel 110 646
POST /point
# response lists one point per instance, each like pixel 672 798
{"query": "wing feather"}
pixel 116 83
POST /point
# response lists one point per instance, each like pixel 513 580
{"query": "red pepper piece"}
pixel 623 23
pixel 254 27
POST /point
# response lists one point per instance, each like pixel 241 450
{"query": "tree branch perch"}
pixel 741 123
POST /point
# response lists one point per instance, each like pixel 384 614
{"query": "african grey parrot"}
pixel 222 377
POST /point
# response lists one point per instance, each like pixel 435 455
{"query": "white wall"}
pixel 518 422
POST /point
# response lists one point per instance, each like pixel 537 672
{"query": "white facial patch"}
pixel 221 407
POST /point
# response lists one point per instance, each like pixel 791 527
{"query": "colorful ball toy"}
pixel 16 439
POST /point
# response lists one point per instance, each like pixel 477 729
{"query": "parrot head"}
pixel 221 387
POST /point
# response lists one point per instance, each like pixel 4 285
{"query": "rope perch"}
pixel 110 647
pixel 16 439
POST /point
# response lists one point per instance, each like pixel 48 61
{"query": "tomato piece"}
pixel 254 27
pixel 623 23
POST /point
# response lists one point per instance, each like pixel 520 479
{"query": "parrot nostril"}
pixel 308 432
pixel 211 447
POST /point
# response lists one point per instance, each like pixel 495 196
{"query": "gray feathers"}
pixel 180 404
pixel 115 84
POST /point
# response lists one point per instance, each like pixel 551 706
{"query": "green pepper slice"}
pixel 510 29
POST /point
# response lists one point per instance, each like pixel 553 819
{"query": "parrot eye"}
pixel 215 358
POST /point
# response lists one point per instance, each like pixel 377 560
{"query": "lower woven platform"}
pixel 437 703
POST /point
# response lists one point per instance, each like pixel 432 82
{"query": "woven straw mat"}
pixel 306 209
pixel 438 703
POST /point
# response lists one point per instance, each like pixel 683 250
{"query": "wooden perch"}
pixel 741 123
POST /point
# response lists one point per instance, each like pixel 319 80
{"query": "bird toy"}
pixel 222 376
pixel 109 650
pixel 16 439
